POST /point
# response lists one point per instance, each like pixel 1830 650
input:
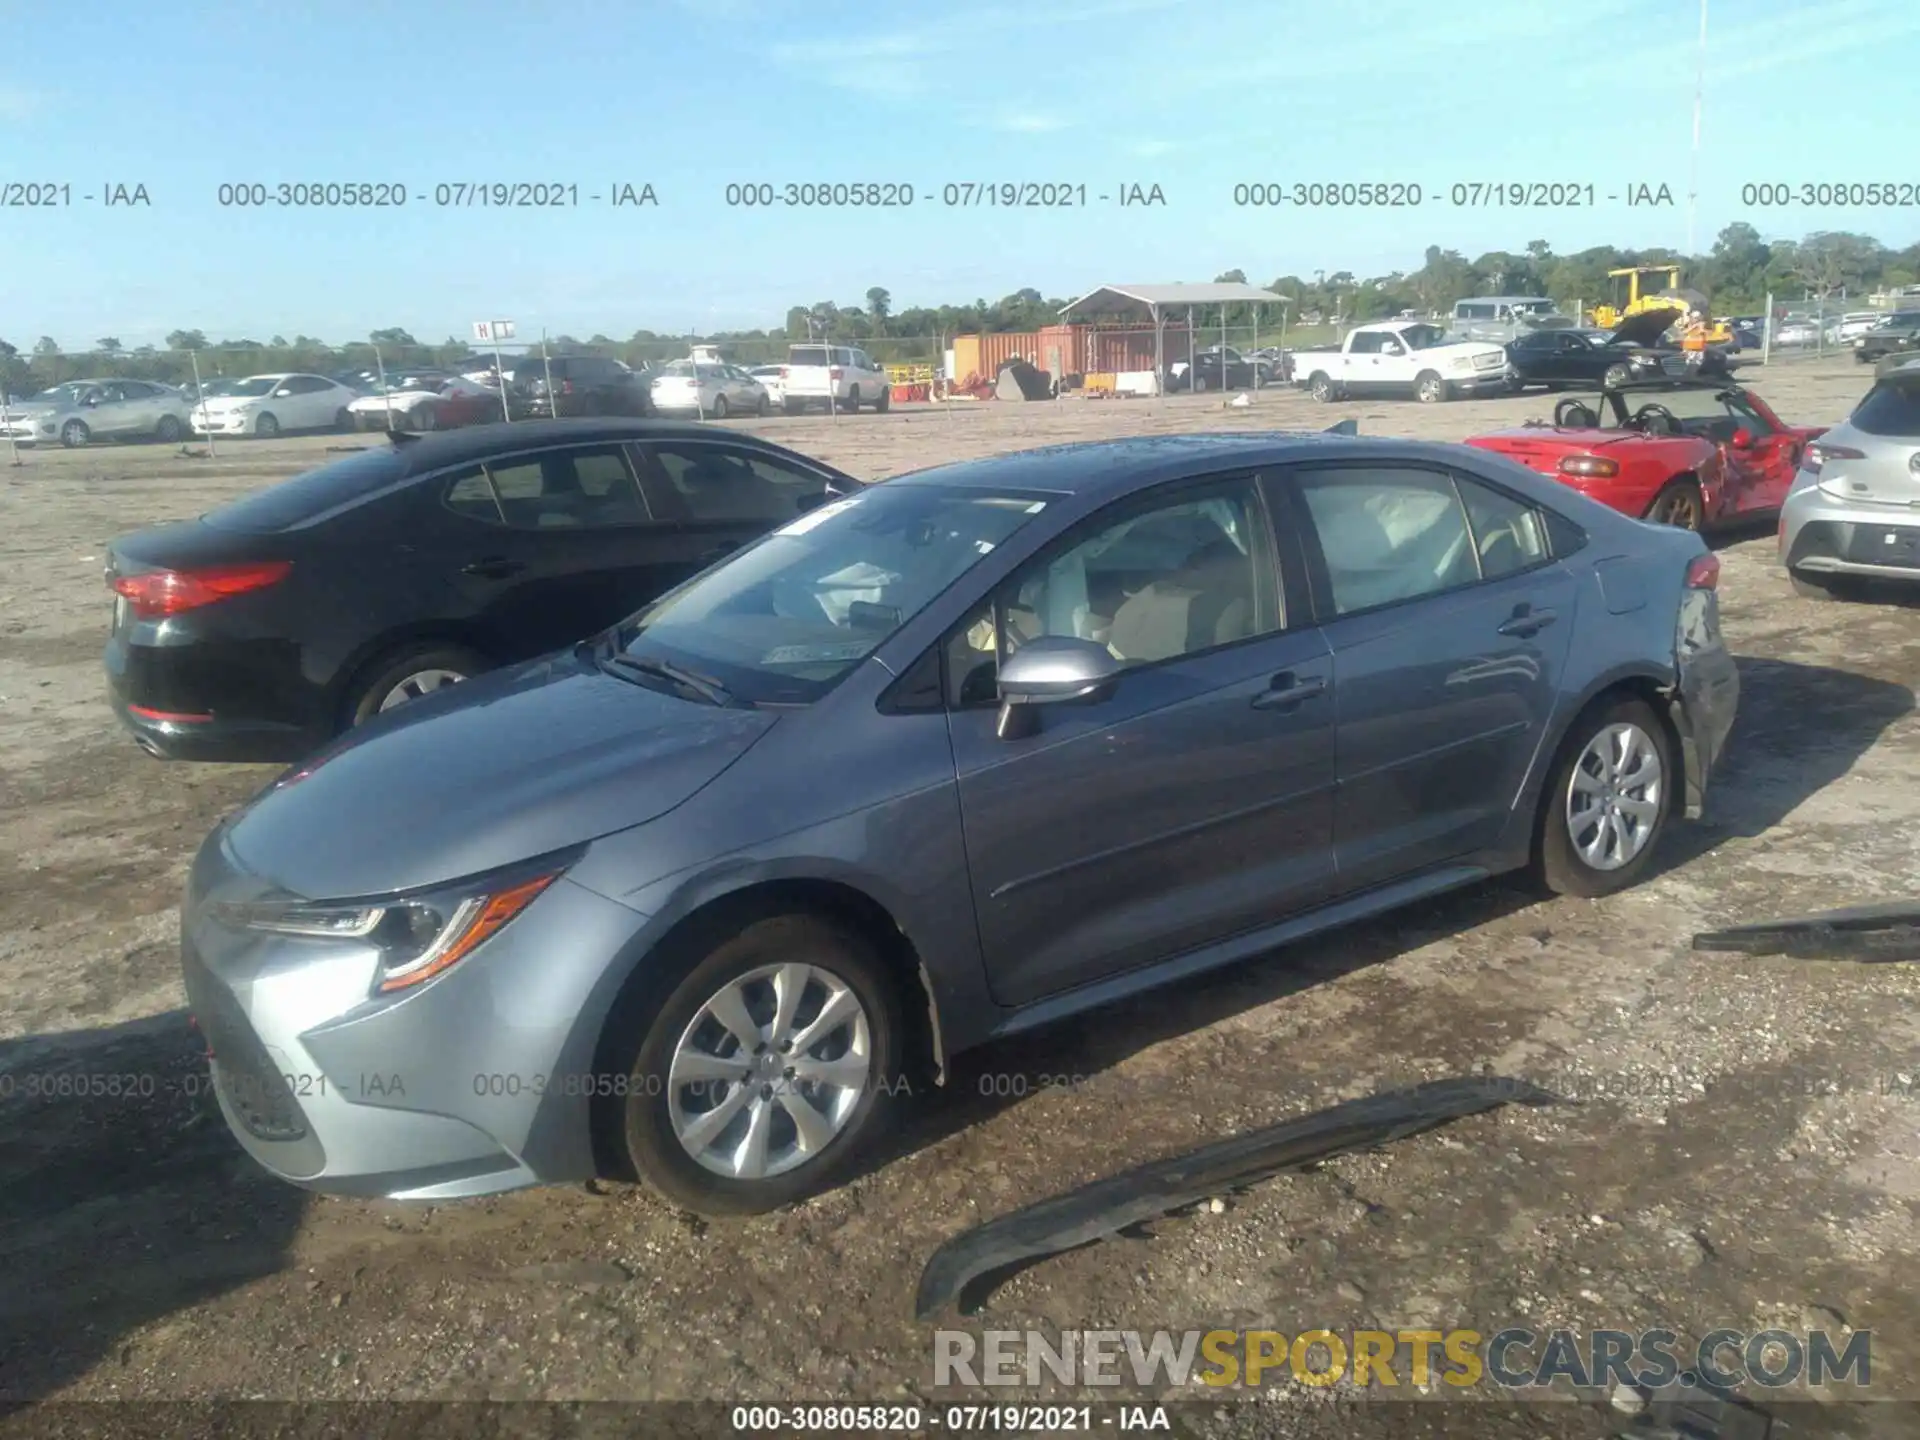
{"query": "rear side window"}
pixel 1892 408
pixel 568 489
pixel 308 497
pixel 1388 534
pixel 1508 534
pixel 807 355
pixel 471 495
pixel 725 485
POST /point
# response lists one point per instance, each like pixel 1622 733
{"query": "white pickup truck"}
pixel 1402 357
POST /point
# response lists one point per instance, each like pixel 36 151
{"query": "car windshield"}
pixel 260 386
pixel 786 620
pixel 307 497
pixel 1423 337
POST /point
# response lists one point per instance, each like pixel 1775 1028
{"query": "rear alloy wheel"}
pixel 1615 377
pixel 1321 388
pixel 1607 801
pixel 74 434
pixel 1430 389
pixel 763 406
pixel 168 430
pixel 1679 504
pixel 267 426
pixel 413 674
pixel 759 1078
pixel 852 403
pixel 719 408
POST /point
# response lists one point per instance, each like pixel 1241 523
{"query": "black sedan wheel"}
pixel 411 674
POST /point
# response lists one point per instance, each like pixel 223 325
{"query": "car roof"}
pixel 442 448
pixel 1106 468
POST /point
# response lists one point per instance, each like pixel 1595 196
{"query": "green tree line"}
pixel 1737 274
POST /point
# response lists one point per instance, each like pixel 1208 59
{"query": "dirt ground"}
pixel 1746 1152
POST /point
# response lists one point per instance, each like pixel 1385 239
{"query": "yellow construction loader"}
pixel 1638 288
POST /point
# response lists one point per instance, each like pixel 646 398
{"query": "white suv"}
pixel 832 374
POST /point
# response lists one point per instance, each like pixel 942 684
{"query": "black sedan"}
pixel 1210 370
pixel 1590 357
pixel 266 627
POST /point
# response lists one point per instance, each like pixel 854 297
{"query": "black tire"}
pixel 1430 388
pixel 763 406
pixel 719 411
pixel 793 407
pixel 852 404
pixel 880 405
pixel 168 431
pixel 74 434
pixel 1322 388
pixel 378 679
pixel 1558 863
pixel 425 421
pixel 343 419
pixel 1679 504
pixel 267 426
pixel 1616 376
pixel 656 1025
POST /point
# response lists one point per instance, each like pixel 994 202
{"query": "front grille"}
pixel 249 1082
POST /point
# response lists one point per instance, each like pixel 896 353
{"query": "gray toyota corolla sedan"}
pixel 961 755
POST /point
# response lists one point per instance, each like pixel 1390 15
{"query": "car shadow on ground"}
pixel 1776 760
pixel 123 1197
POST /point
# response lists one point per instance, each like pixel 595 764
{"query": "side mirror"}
pixel 1743 439
pixel 282 393
pixel 1053 670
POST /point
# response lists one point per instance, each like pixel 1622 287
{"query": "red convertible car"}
pixel 1691 453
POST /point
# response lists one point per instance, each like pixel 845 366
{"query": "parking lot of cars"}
pixel 1745 1153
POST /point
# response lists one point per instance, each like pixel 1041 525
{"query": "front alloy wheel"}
pixel 762 1073
pixel 770 1071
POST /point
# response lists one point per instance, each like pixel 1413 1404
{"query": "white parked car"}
pixel 266 405
pixel 836 375
pixel 83 410
pixel 1856 324
pixel 773 379
pixel 1795 332
pixel 709 388
pixel 427 402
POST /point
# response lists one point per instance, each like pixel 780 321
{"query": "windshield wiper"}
pixel 708 689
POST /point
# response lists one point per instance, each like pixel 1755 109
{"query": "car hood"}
pixel 230 402
pixel 36 412
pixel 1646 328
pixel 500 769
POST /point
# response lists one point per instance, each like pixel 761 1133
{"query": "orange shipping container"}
pixel 983 355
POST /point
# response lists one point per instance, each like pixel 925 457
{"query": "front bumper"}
pixel 220 424
pixel 480 1081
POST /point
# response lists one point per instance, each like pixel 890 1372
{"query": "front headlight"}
pixel 417 937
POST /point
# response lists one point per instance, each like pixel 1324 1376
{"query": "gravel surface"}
pixel 1745 1153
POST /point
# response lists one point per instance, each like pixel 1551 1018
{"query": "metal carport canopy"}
pixel 1150 302
pixel 1145 301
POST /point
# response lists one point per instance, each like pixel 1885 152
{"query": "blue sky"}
pixel 1195 95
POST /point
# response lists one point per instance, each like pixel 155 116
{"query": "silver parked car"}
pixel 1851 513
pixel 84 410
pixel 965 753
pixel 713 388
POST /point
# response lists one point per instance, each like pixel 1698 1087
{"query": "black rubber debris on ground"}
pixel 1866 933
pixel 1105 1208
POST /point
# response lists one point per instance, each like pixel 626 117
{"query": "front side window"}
pixel 1388 534
pixel 1155 584
pixel 785 620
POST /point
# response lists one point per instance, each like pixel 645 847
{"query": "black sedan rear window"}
pixel 307 497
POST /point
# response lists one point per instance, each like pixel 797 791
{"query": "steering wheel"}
pixel 1669 422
